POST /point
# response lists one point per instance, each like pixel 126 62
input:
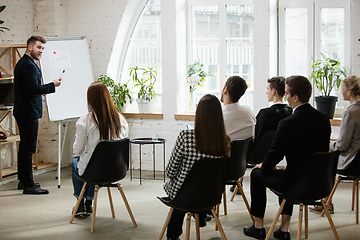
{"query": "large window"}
pixel 311 27
pixel 144 49
pixel 221 37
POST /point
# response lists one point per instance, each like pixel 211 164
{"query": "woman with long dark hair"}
pixel 208 139
pixel 102 122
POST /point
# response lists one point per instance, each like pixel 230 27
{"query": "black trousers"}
pixel 174 229
pixel 28 129
pixel 276 180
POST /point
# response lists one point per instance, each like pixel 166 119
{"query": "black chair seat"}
pixel 200 191
pixel 108 164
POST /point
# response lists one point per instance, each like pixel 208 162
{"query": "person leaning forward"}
pixel 28 110
pixel 305 132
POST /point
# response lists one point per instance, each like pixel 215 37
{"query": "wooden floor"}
pixel 47 216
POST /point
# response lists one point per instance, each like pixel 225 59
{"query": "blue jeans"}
pixel 78 184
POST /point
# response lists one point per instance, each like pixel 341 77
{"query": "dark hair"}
pixel 33 39
pixel 210 135
pixel 236 87
pixel 277 83
pixel 300 86
pixel 103 111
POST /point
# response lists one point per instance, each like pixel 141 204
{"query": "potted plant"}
pixel 195 77
pixel 120 93
pixel 327 73
pixel 146 93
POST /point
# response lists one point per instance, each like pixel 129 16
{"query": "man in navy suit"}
pixel 298 136
pixel 28 110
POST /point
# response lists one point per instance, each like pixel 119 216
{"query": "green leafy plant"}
pixel 146 82
pixel 196 75
pixel 1 21
pixel 327 74
pixel 118 91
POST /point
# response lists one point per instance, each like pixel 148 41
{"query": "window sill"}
pixel 144 115
pixel 189 117
pixel 335 122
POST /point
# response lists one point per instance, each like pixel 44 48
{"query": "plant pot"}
pixel 326 105
pixel 145 106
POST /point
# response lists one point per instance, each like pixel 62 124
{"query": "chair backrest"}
pixel 240 151
pixel 203 186
pixel 315 179
pixel 353 170
pixel 259 152
pixel 109 162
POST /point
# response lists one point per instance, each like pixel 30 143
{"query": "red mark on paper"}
pixel 54 52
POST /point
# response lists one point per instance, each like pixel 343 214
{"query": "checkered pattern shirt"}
pixel 182 158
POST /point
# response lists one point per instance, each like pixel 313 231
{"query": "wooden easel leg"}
pixel 188 219
pixel 353 196
pixel 78 203
pixel 111 202
pixel 127 204
pixel 357 200
pixel 224 200
pixel 271 230
pixel 94 209
pixel 166 224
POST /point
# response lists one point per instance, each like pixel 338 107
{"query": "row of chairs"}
pixel 205 184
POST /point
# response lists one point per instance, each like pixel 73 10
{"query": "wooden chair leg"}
pixel 235 189
pixel 245 200
pixel 357 201
pixel 166 224
pixel 78 203
pixel 94 208
pixel 330 220
pixel 127 204
pixel 221 230
pixel 217 214
pixel 197 223
pixel 306 221
pixel 271 230
pixel 300 221
pixel 332 194
pixel 188 219
pixel 353 196
pixel 224 200
pixel 111 202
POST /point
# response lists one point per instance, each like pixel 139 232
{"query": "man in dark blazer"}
pixel 268 118
pixel 298 136
pixel 28 109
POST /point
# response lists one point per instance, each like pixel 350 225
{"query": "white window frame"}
pixel 314 43
pixel 222 31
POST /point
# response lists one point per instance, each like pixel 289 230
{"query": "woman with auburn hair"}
pixel 102 122
pixel 208 139
pixel 348 142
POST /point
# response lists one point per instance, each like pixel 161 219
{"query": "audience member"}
pixel 348 142
pixel 268 118
pixel 298 136
pixel 208 139
pixel 102 122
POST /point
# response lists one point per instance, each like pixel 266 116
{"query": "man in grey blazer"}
pixel 28 110
pixel 298 136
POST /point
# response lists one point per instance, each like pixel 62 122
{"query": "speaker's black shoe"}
pixel 251 231
pixel 278 234
pixel 35 190
pixel 21 185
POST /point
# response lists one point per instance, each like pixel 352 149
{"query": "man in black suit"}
pixel 298 136
pixel 28 109
pixel 268 118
